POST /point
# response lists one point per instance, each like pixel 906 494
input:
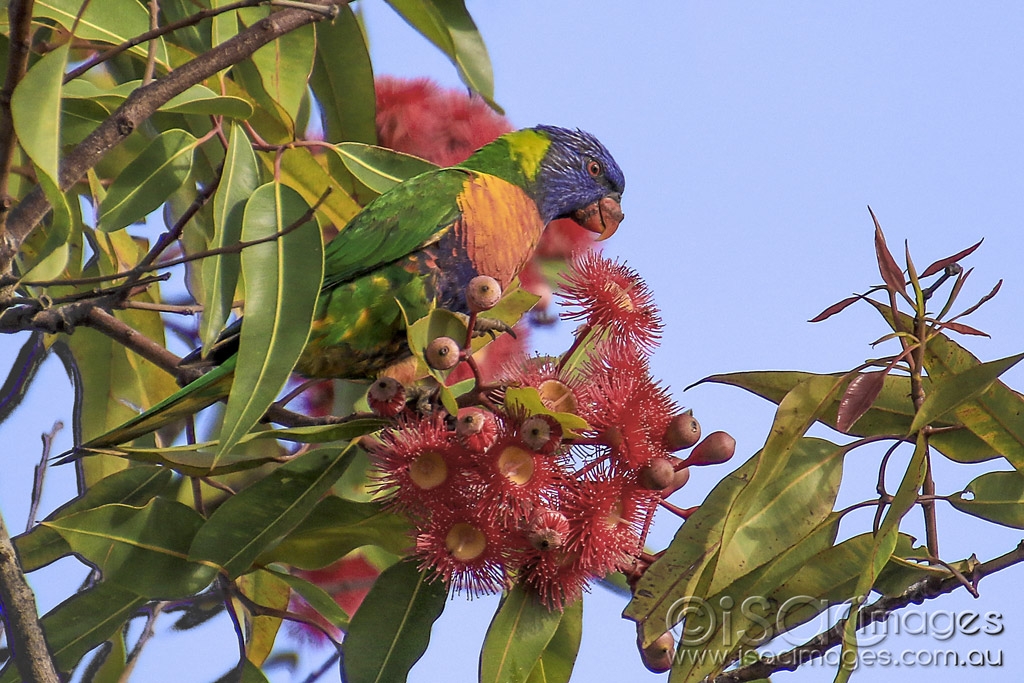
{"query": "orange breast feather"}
pixel 500 227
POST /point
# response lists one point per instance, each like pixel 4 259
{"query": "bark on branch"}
pixel 25 635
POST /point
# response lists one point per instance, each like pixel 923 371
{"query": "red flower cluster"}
pixel 558 494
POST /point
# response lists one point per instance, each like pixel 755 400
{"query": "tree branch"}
pixel 140 105
pixel 24 633
pixel 877 611
pixel 19 15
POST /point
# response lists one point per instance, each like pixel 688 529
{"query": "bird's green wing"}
pixel 411 215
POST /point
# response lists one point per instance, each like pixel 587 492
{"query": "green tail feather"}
pixel 187 401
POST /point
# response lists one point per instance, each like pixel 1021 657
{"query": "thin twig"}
pixel 315 676
pixel 154 24
pixel 148 631
pixel 40 474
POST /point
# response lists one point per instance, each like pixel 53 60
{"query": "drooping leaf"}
pixel 266 589
pixel 335 528
pixel 380 168
pixel 239 179
pixel 519 633
pixel 26 364
pixel 134 486
pixel 343 80
pixel 391 630
pixel 82 622
pixel 315 596
pixel 447 24
pixel 558 658
pixel 284 66
pixel 35 107
pixel 148 180
pixel 995 496
pixel 282 279
pixel 143 549
pixel 252 520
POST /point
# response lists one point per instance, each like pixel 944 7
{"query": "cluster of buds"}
pixel 556 483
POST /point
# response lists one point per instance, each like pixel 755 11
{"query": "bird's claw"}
pixel 493 327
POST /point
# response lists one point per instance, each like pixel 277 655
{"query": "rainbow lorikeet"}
pixel 417 246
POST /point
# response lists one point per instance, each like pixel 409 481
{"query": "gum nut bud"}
pixel 483 293
pixel 658 474
pixel 476 429
pixel 386 396
pixel 657 656
pixel 680 477
pixel 547 529
pixel 682 432
pixel 542 433
pixel 717 448
pixel 443 353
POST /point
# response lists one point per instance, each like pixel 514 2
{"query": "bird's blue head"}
pixel 578 178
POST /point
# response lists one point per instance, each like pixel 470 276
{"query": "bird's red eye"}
pixel 594 168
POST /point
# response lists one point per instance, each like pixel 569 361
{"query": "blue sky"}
pixel 752 136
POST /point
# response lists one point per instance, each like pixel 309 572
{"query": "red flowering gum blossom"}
pixel 612 297
pixel 466 549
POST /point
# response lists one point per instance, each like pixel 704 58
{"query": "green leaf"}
pixel 677 573
pixel 35 107
pixel 447 24
pixel 315 596
pixel 134 486
pixel 782 511
pixel 883 545
pixel 239 179
pixel 252 520
pixel 105 21
pixel 954 390
pixel 282 279
pixel 284 66
pixel 266 589
pixel 148 180
pixel 995 496
pixel 202 101
pixel 996 416
pixel 335 528
pixel 143 549
pixel 520 631
pixel 527 399
pixel 557 660
pixel 343 80
pixel 891 413
pixel 380 168
pixel 715 634
pixel 391 630
pixel 303 172
pixel 80 623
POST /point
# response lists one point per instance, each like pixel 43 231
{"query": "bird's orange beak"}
pixel 602 217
